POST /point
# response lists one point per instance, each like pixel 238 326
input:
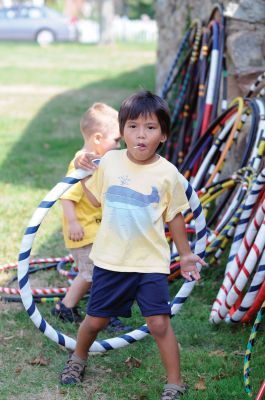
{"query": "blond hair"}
pixel 98 118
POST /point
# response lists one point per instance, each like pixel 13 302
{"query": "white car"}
pixel 41 24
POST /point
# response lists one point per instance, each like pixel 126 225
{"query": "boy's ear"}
pixel 97 137
pixel 163 139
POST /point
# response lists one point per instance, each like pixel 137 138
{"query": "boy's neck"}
pixel 89 147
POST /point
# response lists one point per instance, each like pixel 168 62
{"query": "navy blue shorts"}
pixel 113 293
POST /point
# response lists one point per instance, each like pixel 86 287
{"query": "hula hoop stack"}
pixel 192 87
pixel 203 163
pixel 201 143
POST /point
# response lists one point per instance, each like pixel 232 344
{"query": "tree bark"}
pixel 106 16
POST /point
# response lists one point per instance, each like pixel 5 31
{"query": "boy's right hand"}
pixel 84 161
pixel 75 231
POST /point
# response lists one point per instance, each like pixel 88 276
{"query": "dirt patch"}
pixel 90 387
pixel 57 394
pixel 7 306
pixel 39 280
pixel 92 382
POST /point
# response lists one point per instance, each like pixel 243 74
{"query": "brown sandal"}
pixel 74 371
pixel 173 392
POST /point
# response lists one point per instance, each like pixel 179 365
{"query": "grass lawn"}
pixel 44 91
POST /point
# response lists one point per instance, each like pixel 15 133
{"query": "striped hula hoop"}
pixel 241 266
pixel 37 261
pixel 69 274
pixel 249 350
pixel 23 266
pixel 251 294
pixel 256 189
pixel 35 291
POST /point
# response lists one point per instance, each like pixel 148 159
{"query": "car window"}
pixel 52 13
pixel 11 13
pixel 30 12
pixel 35 13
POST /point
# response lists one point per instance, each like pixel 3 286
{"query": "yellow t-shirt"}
pixel 136 201
pixel 88 216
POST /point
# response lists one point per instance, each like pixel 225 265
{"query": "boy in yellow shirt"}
pixel 100 131
pixel 139 192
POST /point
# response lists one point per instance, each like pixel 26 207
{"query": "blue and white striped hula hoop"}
pixel 23 268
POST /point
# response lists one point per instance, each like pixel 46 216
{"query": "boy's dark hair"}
pixel 145 103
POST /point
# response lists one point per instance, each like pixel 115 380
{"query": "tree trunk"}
pixel 106 16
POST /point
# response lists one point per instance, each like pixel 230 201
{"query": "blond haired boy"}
pixel 100 130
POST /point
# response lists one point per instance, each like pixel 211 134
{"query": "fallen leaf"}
pixel 9 337
pixel 40 361
pixel 220 353
pixel 238 353
pixel 200 385
pixel 133 362
pixel 220 376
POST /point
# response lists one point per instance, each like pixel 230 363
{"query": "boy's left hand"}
pixel 85 161
pixel 188 266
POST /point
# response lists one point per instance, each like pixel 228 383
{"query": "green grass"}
pixel 43 94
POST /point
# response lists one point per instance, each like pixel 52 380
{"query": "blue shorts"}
pixel 113 293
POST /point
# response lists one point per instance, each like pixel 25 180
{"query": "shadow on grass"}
pixel 39 159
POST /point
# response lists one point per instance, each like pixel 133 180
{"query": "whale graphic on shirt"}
pixel 129 212
pixel 124 195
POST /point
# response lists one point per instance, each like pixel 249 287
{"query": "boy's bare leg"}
pixel 76 292
pixel 87 334
pixel 161 329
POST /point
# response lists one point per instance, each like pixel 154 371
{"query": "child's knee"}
pixel 95 324
pixel 157 325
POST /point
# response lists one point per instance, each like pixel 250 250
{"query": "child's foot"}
pixel 65 313
pixel 115 325
pixel 73 371
pixel 173 392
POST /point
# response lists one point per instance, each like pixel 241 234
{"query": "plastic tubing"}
pixel 244 262
pixel 248 353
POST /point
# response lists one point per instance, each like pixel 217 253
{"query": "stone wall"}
pixel 245 42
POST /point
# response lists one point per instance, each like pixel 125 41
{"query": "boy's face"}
pixel 109 141
pixel 142 137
